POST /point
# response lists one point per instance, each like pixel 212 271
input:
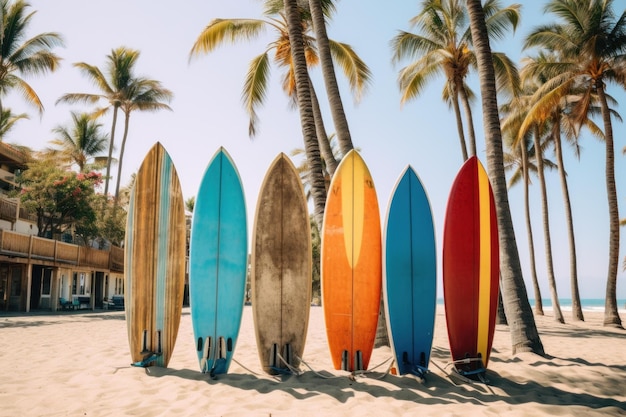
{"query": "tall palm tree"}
pixel 301 75
pixel 519 159
pixel 81 141
pixel 332 89
pixel 589 42
pixel 8 121
pixel 113 84
pixel 142 95
pixel 122 90
pixel 20 56
pixel 524 335
pixel 444 46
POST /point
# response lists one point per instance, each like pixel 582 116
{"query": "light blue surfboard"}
pixel 410 274
pixel 218 255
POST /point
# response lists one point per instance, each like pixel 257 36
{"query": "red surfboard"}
pixel 471 268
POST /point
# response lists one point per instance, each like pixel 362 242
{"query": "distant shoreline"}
pixel 588 304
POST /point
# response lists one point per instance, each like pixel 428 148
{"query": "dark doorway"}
pixel 35 288
pixel 98 290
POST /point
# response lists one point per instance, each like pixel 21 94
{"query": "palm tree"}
pixel 336 106
pixel 220 31
pixel 302 82
pixel 121 89
pixel 445 47
pixel 81 141
pixel 524 335
pixel 19 57
pixel 519 159
pixel 8 121
pixel 589 43
pixel 143 95
pixel 190 204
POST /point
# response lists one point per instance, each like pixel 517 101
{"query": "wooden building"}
pixel 38 273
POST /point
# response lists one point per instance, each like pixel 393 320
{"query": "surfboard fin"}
pixel 273 357
pixel 148 355
pixel 358 361
pixel 345 365
pixel 159 344
pixel 206 351
pixel 221 348
pixel 287 357
pixel 144 342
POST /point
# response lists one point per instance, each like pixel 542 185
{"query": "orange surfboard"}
pixel 471 268
pixel 351 264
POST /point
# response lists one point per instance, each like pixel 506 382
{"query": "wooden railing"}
pixel 33 247
pixel 9 211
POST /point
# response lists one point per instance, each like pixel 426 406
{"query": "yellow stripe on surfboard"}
pixel 353 207
pixel 484 288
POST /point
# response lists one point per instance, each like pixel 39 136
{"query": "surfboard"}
pixel 154 266
pixel 281 268
pixel 351 264
pixel 218 261
pixel 410 274
pixel 471 268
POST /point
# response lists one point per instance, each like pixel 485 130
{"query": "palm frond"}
pixel 407 45
pixel 356 71
pixel 255 87
pixel 220 31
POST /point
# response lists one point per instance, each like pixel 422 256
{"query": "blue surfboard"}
pixel 410 274
pixel 218 258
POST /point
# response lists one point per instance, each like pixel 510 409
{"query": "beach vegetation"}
pixel 62 200
pixel 519 159
pixel 8 121
pixel 443 46
pixel 586 49
pixel 21 56
pixel 122 90
pixel 79 143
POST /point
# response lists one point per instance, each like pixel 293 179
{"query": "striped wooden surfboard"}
pixel 410 274
pixel 154 265
pixel 351 264
pixel 218 263
pixel 471 268
pixel 281 268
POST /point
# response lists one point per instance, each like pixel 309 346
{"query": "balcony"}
pixel 19 245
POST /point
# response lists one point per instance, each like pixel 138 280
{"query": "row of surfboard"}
pixel 358 266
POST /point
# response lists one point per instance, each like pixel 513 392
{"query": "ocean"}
pixel 588 304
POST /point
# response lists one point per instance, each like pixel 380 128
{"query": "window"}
pixel 82 283
pixel 74 283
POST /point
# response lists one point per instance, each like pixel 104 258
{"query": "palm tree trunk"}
pixel 325 148
pixel 577 311
pixel 330 80
pixel 119 162
pixel 470 120
pixel 529 231
pixel 459 121
pixel 611 314
pixel 311 145
pixel 524 335
pixel 558 315
pixel 108 172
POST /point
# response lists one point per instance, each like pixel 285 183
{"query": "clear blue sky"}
pixel 208 114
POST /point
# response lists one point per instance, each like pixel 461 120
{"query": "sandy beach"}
pixel 77 364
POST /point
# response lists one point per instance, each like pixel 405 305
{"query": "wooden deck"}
pixel 28 247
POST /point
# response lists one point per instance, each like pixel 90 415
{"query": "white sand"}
pixel 78 365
